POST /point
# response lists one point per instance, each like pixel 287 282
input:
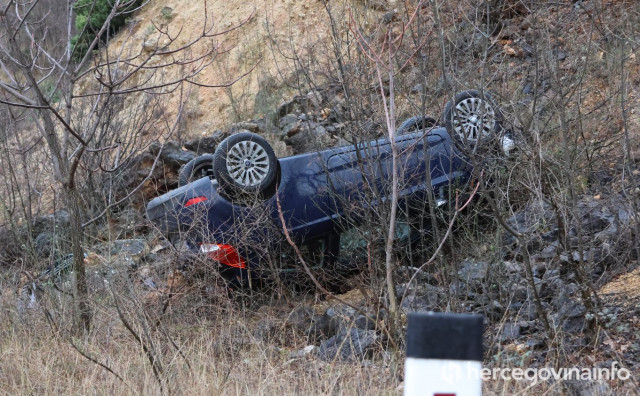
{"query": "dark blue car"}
pixel 228 205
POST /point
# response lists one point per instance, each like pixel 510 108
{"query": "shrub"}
pixel 91 15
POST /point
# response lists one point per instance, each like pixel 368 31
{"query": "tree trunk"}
pixel 81 309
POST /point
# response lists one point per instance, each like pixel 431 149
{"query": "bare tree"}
pixel 93 113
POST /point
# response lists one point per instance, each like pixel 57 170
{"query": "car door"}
pixel 363 175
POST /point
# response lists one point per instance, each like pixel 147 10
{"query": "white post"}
pixel 444 355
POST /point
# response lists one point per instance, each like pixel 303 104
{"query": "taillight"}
pixel 224 254
pixel 194 201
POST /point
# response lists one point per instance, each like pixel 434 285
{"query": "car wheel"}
pixel 245 163
pixel 195 169
pixel 415 124
pixel 472 117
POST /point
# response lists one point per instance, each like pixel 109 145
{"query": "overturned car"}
pixel 232 204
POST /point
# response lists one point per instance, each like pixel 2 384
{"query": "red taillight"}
pixel 194 201
pixel 224 254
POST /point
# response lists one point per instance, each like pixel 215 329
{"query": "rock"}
pixel 206 144
pixel 551 236
pixel 44 244
pixel 535 343
pixel 415 304
pixel 542 271
pixel 281 149
pixel 251 126
pixel 601 177
pixel 322 326
pixel 338 103
pixel 549 252
pixel 443 86
pixel 10 245
pixel 418 88
pixel 313 100
pixel 527 327
pixel 308 350
pixel 528 51
pixel 571 316
pixel 573 309
pixel 341 318
pixel 309 137
pixel 172 154
pixel 290 106
pixel 519 293
pixel 564 294
pixel 405 272
pixel 175 157
pixel 528 220
pixel 510 331
pixel 495 310
pixel 514 267
pixel 150 45
pixel 305 321
pixel 291 129
pixel 561 55
pixel 310 102
pixel 134 248
pixel 473 270
pixel 364 323
pixel 350 345
pixel 50 223
pixel 301 318
pixel 388 17
pixel 319 130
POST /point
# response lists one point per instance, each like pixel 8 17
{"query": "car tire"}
pixel 415 124
pixel 195 169
pixel 245 163
pixel 472 117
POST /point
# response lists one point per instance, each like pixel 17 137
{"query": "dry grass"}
pixel 205 345
pixel 216 354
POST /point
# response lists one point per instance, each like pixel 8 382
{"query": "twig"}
pixel 310 273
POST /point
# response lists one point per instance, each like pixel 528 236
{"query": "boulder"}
pixel 255 126
pixel 50 222
pixel 341 318
pixel 294 105
pixel 509 332
pixel 415 304
pixel 473 270
pixel 46 243
pixel 172 154
pixel 349 345
pixel 206 144
pixel 287 120
pixel 571 317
